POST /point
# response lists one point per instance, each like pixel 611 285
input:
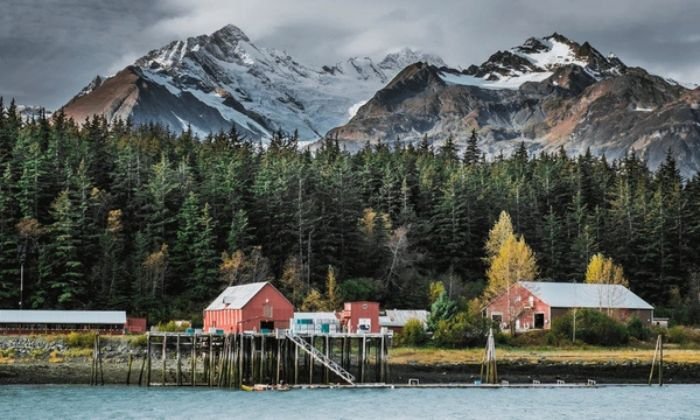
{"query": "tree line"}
pixel 99 215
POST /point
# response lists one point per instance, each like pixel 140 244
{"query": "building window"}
pixel 267 310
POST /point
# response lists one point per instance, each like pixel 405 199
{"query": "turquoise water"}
pixel 81 402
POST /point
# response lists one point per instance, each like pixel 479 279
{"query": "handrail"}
pixel 322 358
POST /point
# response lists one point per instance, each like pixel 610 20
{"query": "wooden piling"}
pixel 382 372
pixel 262 359
pixel 93 361
pixel 296 365
pixel 148 359
pixel 363 359
pixel 128 371
pixel 661 360
pixel 241 354
pixel 279 361
pixel 178 366
pixel 143 366
pixel 164 355
pixel 311 361
pixel 99 360
pixel 193 360
pixel 326 351
pixel 252 358
pixel 210 360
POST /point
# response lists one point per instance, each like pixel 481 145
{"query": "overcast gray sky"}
pixel 49 49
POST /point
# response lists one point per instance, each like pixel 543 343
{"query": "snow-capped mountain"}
pixel 549 92
pixel 212 81
pixel 534 61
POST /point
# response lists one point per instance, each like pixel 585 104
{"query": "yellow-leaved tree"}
pixel 498 235
pixel 515 261
pixel 603 270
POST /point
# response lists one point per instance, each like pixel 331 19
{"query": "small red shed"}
pixel 360 317
pixel 135 325
pixel 249 307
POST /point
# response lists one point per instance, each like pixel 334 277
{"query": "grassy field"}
pixel 593 355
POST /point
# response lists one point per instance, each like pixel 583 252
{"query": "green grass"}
pixel 434 356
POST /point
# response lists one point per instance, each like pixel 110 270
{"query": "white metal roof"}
pixel 585 295
pixel 399 317
pixel 10 316
pixel 236 297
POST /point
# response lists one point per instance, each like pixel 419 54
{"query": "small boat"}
pixel 247 388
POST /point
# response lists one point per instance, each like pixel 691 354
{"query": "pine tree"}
pixel 473 153
pixel 205 270
pixel 61 266
pixel 9 267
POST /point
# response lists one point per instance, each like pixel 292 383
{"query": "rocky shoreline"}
pixel 115 372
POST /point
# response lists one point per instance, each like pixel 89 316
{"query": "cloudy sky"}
pixel 49 49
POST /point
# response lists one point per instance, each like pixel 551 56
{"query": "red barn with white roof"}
pixel 249 307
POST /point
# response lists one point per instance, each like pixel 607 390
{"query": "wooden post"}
pixel 193 360
pixel 99 360
pixel 311 361
pixel 178 367
pixel 164 356
pixel 653 359
pixel 262 358
pixel 93 364
pixel 661 360
pixel 363 356
pixel 210 360
pixel 241 354
pixel 296 364
pixel 387 366
pixel 128 371
pixel 222 363
pixel 233 360
pixel 143 365
pixel 327 352
pixel 279 360
pixel 342 353
pixel 252 358
pixel 382 372
pixel 148 357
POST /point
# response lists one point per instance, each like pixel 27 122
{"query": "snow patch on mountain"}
pixel 511 82
pixel 352 111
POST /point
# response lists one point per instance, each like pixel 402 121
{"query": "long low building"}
pixel 395 319
pixel 14 321
pixel 535 305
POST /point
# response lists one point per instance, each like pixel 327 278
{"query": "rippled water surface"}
pixel 82 402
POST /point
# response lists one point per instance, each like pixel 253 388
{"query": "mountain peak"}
pixel 404 57
pixel 231 32
pixel 543 56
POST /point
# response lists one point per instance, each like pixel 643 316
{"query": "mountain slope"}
pixel 549 93
pixel 212 81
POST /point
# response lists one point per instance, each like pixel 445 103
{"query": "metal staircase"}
pixel 321 358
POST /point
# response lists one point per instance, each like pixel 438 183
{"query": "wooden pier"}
pixel 229 361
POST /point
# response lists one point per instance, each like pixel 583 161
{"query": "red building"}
pixel 135 325
pixel 360 317
pixel 249 307
pixel 534 305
